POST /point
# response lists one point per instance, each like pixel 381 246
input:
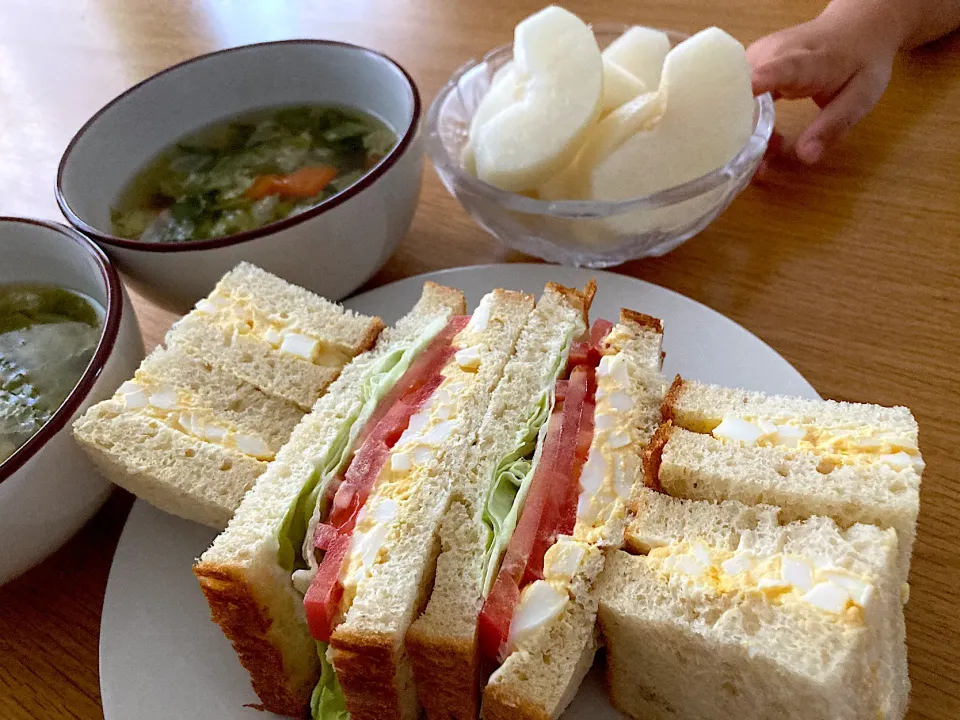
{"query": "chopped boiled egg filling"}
pixel 542 601
pixel 606 480
pixel 843 445
pixel 412 460
pixel 777 577
pixel 238 316
pixel 177 408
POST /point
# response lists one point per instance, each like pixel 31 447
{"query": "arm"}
pixel 843 59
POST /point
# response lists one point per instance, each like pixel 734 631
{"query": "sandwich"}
pixel 284 340
pixel 330 556
pixel 546 490
pixel 202 418
pixel 849 462
pixel 725 610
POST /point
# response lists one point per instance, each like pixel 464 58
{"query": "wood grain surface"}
pixel 851 270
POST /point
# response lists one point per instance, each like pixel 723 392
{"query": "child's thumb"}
pixel 838 117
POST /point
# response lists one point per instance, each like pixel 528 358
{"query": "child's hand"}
pixel 842 60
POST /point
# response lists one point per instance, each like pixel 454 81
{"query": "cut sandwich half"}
pixel 548 484
pixel 186 437
pixel 850 462
pixel 247 574
pixel 347 551
pixel 278 337
pixel 386 574
pixel 727 614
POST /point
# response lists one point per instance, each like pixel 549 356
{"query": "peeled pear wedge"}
pixel 636 115
pixel 619 86
pixel 708 109
pixel 505 90
pixel 560 84
pixel 641 52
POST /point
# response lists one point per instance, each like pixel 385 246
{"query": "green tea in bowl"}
pixel 249 171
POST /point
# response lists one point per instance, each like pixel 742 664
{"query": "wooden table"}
pixel 851 270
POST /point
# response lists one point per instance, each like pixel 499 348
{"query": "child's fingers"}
pixel 838 117
pixel 796 74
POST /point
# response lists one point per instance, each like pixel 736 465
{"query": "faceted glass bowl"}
pixel 584 233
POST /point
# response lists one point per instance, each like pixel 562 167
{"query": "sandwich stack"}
pixel 202 418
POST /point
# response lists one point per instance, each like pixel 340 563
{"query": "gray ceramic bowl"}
pixel 332 248
pixel 48 488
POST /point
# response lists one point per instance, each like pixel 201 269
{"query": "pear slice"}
pixel 707 118
pixel 619 86
pixel 561 72
pixel 641 52
pixel 505 90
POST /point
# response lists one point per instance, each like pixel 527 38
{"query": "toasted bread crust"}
pixel 446 691
pixel 653 456
pixel 580 299
pixel 499 703
pixel 639 318
pixel 370 338
pixel 451 297
pixel 367 666
pixel 234 607
pixel 670 399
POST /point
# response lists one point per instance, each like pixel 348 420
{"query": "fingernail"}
pixel 810 152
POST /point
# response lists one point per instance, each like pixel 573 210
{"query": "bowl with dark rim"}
pixel 332 248
pixel 48 488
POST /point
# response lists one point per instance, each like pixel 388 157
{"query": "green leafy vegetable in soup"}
pixel 47 337
pixel 250 171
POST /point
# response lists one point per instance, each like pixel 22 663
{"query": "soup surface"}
pixel 47 337
pixel 250 171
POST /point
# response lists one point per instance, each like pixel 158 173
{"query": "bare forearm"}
pixel 912 22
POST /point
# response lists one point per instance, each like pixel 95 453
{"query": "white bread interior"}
pixel 251 596
pixel 678 650
pixel 171 469
pixel 442 642
pixel 368 646
pixel 341 333
pixel 693 464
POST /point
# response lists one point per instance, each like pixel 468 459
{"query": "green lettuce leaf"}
pixel 376 383
pixel 513 476
pixel 327 701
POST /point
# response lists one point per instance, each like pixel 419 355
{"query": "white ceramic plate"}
pixel 161 657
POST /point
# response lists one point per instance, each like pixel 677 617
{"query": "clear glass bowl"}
pixel 583 233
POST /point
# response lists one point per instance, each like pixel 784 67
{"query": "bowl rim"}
pixel 754 147
pixel 104 349
pixel 378 171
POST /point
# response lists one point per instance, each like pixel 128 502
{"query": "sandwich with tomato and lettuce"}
pixel 331 556
pixel 510 625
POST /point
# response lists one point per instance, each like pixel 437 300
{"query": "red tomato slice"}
pixel 547 512
pixel 587 349
pixel 376 439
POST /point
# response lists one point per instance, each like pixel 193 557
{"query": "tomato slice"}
pixel 547 512
pixel 375 441
pixel 587 349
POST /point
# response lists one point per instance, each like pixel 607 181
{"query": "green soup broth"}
pixel 249 171
pixel 48 335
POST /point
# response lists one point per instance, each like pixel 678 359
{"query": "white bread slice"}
pixel 848 484
pixel 161 455
pixel 251 596
pixel 228 329
pixel 368 646
pixel 539 680
pixel 680 645
pixel 442 642
pixel 541 676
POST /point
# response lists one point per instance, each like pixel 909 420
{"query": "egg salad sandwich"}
pixel 331 556
pixel 283 339
pixel 727 611
pixel 546 489
pixel 847 461
pixel 202 418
